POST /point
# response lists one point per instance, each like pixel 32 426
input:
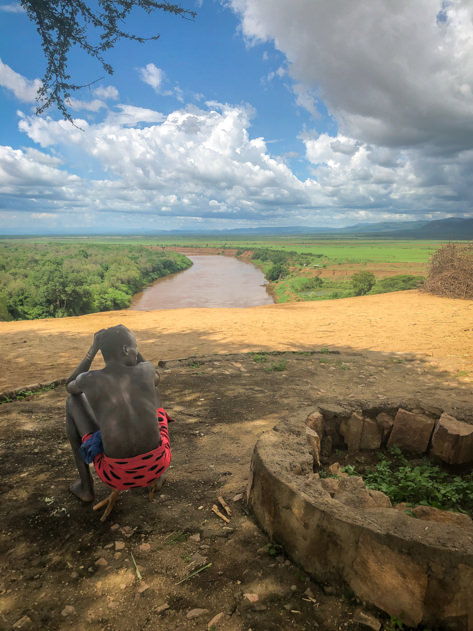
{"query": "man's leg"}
pixel 80 420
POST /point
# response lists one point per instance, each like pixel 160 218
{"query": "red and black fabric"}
pixel 137 471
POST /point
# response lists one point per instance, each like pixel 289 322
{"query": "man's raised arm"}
pixel 85 364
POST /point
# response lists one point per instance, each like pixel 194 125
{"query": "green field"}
pixel 337 250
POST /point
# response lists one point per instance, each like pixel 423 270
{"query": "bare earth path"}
pixel 60 568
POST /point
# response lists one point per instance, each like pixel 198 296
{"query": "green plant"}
pixel 420 482
pixel 276 366
pixel 274 549
pixel 362 282
pixel 260 358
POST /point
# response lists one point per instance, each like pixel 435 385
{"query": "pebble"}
pixel 195 613
pixel 117 555
pixel 293 588
pixel 329 590
pixel 119 545
pixel 68 610
pixel 115 527
pixel 195 537
pixel 145 547
pixel 237 497
pixel 162 608
pixel 253 598
pixel 215 620
pixel 142 587
pixel 100 562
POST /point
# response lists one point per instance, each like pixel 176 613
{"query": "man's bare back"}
pixel 120 401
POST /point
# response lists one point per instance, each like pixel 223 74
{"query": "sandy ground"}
pixel 440 329
pixel 60 568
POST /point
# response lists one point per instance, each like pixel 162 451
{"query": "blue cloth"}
pixel 91 447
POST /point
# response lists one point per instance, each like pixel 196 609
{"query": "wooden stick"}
pixel 225 506
pixel 219 514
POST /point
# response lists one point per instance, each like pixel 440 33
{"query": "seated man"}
pixel 111 417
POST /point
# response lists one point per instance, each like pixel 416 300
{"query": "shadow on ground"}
pixel 60 567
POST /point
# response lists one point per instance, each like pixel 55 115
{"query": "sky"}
pixel 258 113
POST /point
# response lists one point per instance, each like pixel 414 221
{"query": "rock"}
pixel 215 621
pixel 119 545
pixel 195 537
pixel 101 562
pixel 429 513
pixel 351 430
pixel 23 623
pixel 371 435
pixel 452 440
pixel 353 492
pixel 335 468
pixel 68 610
pixel 162 608
pixel 366 620
pixel 390 579
pixel 411 432
pixel 385 423
pixel 330 485
pixel 196 613
pixel 329 590
pixel 314 433
pixel 253 598
pixel 142 587
pixel 197 560
pixel 380 498
pixel 145 547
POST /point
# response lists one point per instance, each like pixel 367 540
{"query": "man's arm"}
pixel 71 384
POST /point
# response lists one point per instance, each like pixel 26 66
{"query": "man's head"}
pixel 118 343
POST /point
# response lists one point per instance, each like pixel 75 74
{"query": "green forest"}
pixel 47 280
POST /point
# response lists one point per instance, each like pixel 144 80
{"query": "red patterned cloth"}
pixel 142 470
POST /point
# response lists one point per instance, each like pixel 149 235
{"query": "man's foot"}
pixel 86 495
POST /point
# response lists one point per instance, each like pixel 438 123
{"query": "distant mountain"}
pixel 452 229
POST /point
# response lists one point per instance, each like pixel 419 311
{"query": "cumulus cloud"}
pixel 397 74
pixel 24 89
pixel 192 162
pixel 152 75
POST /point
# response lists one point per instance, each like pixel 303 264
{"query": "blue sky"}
pixel 257 113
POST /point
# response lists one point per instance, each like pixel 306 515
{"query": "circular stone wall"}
pixel 420 570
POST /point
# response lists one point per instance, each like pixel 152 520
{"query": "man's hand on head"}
pixel 97 343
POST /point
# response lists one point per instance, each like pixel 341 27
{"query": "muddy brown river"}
pixel 212 281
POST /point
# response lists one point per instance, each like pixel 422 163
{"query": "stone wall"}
pixel 420 570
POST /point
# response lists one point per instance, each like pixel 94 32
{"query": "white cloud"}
pixel 24 89
pixel 152 75
pixel 106 92
pixel 13 7
pixel 392 73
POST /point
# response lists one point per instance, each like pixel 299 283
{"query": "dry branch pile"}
pixel 451 271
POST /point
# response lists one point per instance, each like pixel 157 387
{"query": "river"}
pixel 213 281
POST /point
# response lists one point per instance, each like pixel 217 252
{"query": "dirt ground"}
pixel 60 567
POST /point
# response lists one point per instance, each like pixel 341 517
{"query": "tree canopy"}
pixel 44 280
pixel 63 24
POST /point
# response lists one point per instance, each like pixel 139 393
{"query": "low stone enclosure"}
pixel 343 534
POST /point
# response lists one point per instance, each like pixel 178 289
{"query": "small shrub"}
pixel 362 282
pixel 276 272
pixel 400 282
pixel 311 284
